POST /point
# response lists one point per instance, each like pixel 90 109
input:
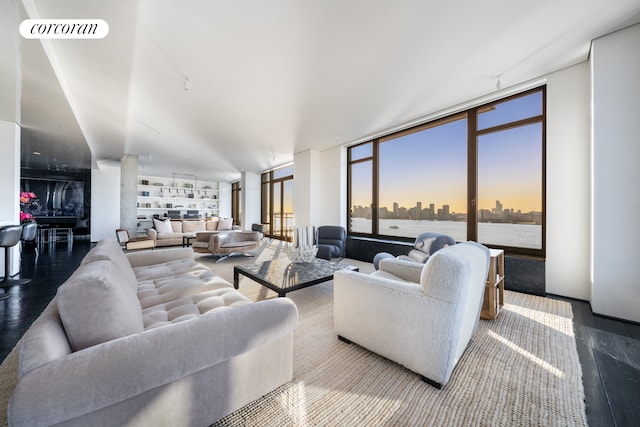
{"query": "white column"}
pixel 319 182
pixel 129 193
pixel 250 199
pixel 105 200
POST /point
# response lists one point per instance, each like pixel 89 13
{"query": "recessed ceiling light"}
pixel 37 153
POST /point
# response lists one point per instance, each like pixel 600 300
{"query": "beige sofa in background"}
pixel 149 338
pixel 170 232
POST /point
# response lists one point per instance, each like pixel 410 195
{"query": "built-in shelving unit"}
pixel 176 197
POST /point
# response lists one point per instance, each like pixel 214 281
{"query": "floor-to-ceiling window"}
pixel 510 145
pixel 277 203
pixel 475 175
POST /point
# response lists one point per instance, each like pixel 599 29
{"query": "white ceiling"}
pixel 268 79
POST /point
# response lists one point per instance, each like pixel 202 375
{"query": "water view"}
pixel 518 235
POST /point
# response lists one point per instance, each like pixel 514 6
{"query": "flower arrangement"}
pixel 28 203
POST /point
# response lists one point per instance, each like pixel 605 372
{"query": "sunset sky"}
pixel 431 166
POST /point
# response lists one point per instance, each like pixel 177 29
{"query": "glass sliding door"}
pixel 277 203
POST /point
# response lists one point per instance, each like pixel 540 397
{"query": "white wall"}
pixel 332 189
pixel 10 188
pixel 224 200
pixel 105 201
pixel 616 174
pixel 568 222
pixel 250 199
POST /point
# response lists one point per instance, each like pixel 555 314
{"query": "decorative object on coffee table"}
pixel 303 249
pixel 301 254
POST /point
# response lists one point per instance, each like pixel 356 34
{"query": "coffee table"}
pixel 282 276
pixel 187 239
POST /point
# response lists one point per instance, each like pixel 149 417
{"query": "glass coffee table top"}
pixel 282 276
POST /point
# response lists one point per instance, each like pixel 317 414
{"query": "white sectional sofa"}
pixel 149 338
pixel 170 232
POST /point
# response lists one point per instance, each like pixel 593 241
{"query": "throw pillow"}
pixel 425 245
pixel 225 224
pixel 162 226
pixel 212 225
pixel 97 306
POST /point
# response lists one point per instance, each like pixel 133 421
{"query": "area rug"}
pixel 520 369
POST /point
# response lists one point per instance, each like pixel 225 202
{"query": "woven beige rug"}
pixel 521 369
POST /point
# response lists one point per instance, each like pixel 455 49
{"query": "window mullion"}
pixel 472 175
pixel 376 187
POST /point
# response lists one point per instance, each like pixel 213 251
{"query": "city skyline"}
pixel 430 211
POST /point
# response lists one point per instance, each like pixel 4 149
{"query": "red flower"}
pixel 28 203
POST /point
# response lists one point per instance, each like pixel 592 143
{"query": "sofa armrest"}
pixel 204 236
pixel 403 269
pixel 138 259
pixel 152 233
pixel 115 371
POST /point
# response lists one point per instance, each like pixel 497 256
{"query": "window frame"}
pixel 473 135
pixel 268 182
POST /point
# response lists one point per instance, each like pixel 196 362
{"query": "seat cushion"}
pixel 169 236
pixel 193 306
pixel 163 290
pixel 97 304
pixel 168 269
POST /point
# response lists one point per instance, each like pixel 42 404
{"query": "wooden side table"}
pixel 494 290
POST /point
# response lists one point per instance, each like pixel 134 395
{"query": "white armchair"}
pixel 420 316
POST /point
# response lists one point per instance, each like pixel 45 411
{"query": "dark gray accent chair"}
pixel 426 244
pixel 332 242
pixel 259 228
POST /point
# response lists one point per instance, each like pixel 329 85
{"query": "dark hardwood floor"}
pixel 48 270
pixel 609 349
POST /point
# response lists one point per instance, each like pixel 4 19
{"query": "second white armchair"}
pixel 421 316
